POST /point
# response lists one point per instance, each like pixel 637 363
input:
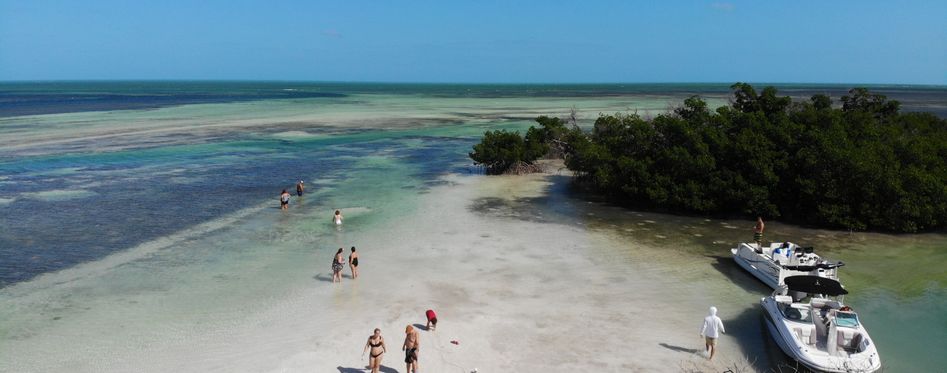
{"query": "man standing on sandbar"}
pixel 411 343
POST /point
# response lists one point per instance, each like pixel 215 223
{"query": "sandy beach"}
pixel 517 296
pixel 517 293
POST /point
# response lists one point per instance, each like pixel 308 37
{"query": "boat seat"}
pixel 821 331
pixel 848 339
pixel 805 335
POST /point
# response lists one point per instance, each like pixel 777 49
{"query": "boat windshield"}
pixel 796 313
pixel 846 319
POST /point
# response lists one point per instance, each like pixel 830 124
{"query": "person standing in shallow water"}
pixel 284 200
pixel 300 187
pixel 375 347
pixel 337 218
pixel 353 263
pixel 337 264
pixel 411 343
pixel 711 330
pixel 758 233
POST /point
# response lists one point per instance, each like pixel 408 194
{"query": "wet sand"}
pixel 517 295
pixel 525 276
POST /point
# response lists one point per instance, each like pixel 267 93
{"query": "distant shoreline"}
pixel 24 98
pixel 436 83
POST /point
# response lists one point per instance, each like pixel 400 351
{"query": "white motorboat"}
pixel 773 263
pixel 822 334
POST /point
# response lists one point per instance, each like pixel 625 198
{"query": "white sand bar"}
pixel 518 296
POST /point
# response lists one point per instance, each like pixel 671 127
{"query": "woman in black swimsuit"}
pixel 353 263
pixel 375 347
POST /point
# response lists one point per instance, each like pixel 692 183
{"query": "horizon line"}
pixel 499 83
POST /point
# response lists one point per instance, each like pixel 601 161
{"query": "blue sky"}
pixel 477 41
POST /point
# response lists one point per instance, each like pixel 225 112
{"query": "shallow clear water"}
pixel 897 283
pixel 116 225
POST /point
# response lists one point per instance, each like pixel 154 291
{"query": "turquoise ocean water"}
pixel 167 173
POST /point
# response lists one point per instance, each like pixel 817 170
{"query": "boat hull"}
pixel 768 279
pixel 781 334
pixel 772 267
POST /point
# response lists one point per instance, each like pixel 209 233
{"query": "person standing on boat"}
pixel 711 330
pixel 758 233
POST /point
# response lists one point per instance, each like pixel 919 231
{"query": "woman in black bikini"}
pixel 353 263
pixel 375 347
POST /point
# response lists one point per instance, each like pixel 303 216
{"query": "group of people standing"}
pixel 284 196
pixel 338 263
pixel 375 346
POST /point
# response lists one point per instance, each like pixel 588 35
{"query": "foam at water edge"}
pixel 59 194
pixel 292 135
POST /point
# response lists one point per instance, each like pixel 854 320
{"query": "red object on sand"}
pixel 430 315
pixel 455 342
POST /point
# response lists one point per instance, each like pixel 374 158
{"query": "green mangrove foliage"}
pixel 503 151
pixel 863 165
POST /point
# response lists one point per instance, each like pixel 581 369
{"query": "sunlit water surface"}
pixel 122 229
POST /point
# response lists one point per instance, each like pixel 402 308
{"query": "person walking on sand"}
pixel 337 218
pixel 337 264
pixel 758 233
pixel 300 187
pixel 411 344
pixel 431 319
pixel 711 330
pixel 284 200
pixel 353 263
pixel 375 347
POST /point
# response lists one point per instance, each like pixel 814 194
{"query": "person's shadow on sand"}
pixel 322 277
pixel 382 369
pixel 421 326
pixel 679 348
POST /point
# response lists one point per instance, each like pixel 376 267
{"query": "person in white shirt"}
pixel 711 330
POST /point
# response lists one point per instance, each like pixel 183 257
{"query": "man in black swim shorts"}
pixel 410 347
